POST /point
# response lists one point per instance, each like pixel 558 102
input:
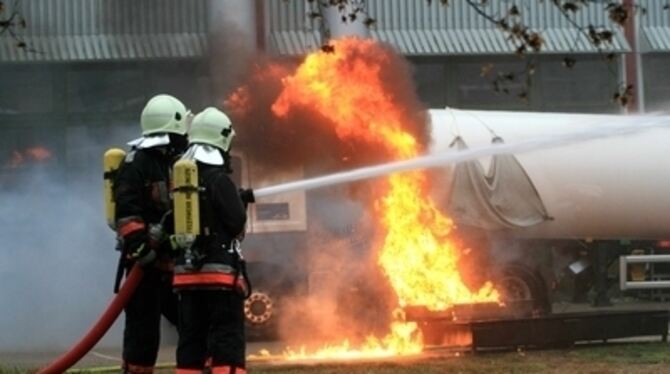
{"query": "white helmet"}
pixel 213 127
pixel 164 114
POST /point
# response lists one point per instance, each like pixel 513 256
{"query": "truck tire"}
pixel 271 286
pixel 523 287
pixel 260 315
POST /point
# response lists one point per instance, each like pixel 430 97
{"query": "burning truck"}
pixel 464 240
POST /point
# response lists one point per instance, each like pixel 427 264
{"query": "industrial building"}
pixel 90 65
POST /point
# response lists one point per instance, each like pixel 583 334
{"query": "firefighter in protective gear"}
pixel 144 223
pixel 209 276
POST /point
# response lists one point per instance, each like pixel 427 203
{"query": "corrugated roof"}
pixel 418 27
pixel 481 41
pixel 654 24
pixel 657 38
pixel 104 47
pixel 94 30
pixel 294 43
pixel 289 29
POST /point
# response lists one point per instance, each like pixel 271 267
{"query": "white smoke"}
pixel 58 263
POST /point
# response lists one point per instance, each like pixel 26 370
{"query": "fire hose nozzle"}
pixel 247 195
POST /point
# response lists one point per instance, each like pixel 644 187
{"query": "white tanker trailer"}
pixel 616 187
pixel 602 198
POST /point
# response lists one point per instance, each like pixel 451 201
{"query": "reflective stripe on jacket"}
pixel 208 276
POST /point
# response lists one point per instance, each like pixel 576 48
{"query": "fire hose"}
pixel 103 324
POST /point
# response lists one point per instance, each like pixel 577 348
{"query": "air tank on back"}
pixel 609 188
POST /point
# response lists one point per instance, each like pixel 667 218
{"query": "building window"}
pixel 272 211
pixel 586 87
pixel 473 88
pixel 186 80
pixel 431 82
pixel 26 91
pixel 29 152
pixel 105 89
pixel 656 82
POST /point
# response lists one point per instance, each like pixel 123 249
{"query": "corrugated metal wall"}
pixel 417 27
pixel 64 30
pixel 403 14
pixel 654 21
pixel 289 29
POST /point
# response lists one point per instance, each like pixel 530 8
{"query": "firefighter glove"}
pixel 137 249
pixel 247 196
pixel 174 243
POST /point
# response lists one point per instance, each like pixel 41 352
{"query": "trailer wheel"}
pixel 515 288
pixel 262 310
pixel 523 288
pixel 258 308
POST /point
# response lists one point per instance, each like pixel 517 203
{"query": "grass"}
pixel 11 370
pixel 631 358
pixel 614 358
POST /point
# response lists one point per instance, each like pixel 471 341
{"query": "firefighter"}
pixel 210 278
pixel 143 223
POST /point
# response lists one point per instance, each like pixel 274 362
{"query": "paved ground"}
pixel 110 356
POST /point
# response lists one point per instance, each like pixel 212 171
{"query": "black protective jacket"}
pixel 142 192
pixel 215 263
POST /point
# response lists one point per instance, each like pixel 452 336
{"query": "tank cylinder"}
pixel 111 162
pixel 186 202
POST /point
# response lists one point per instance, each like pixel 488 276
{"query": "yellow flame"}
pixel 404 339
pixel 418 256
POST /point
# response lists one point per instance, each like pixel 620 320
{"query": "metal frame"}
pixel 558 330
pixel 567 329
pixel 624 284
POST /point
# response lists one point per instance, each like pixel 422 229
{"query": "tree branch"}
pixel 11 24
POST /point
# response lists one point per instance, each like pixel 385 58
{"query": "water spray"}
pixel 447 158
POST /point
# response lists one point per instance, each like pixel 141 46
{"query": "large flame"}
pixel 348 85
pixel 417 256
pixel 403 339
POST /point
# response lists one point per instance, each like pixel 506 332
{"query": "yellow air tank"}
pixel 186 202
pixel 111 162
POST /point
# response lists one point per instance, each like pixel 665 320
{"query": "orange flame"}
pixel 418 256
pixel 37 154
pixel 404 339
pixel 239 102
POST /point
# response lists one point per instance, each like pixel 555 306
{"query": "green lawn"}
pixel 620 358
pixel 629 358
pixel 10 370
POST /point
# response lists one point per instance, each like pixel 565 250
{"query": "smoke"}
pixel 232 44
pixel 305 137
pixel 58 264
pixel 276 144
pixel 347 297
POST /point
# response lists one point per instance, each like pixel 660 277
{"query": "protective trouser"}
pixel 211 326
pixel 141 336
